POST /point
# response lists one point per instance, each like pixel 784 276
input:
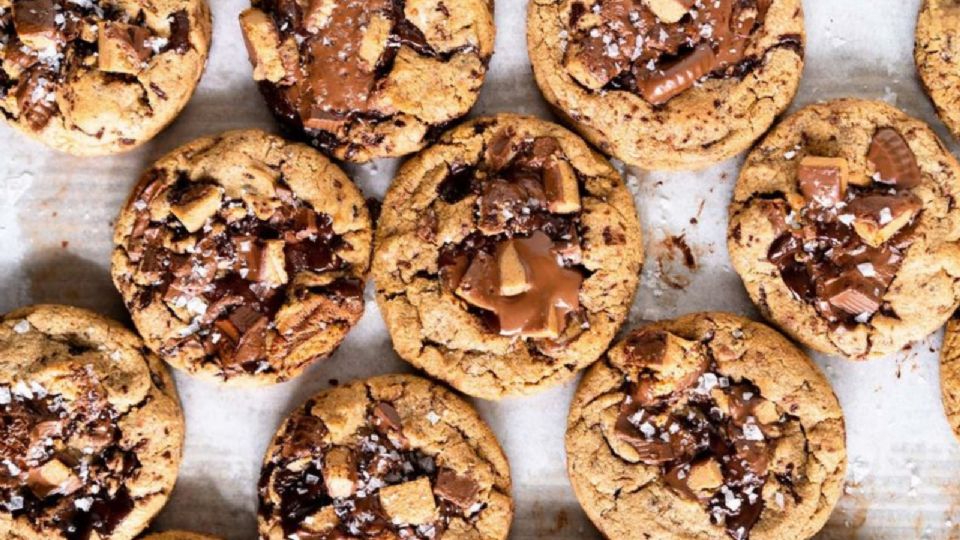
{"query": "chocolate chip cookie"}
pixel 709 426
pixel 507 256
pixel 389 457
pixel 242 257
pixel 179 535
pixel 937 53
pixel 91 431
pixel 950 373
pixel 844 228
pixel 95 77
pixel 366 79
pixel 668 84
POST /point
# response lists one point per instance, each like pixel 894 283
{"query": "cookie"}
pixel 97 77
pixel 242 257
pixel 950 374
pixel 394 456
pixel 844 230
pixel 179 535
pixel 709 426
pixel 507 256
pixel 367 79
pixel 91 431
pixel 667 84
pixel 937 54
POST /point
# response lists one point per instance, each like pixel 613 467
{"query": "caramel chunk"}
pixel 892 160
pixel 823 179
pixel 374 41
pixel 197 205
pixel 673 80
pixel 705 475
pixel 340 473
pixel 122 48
pixel 263 45
pixel 410 503
pixel 35 23
pixel 561 187
pixel 513 273
pixel 53 478
pixel 877 218
pixel 669 11
pixel 462 491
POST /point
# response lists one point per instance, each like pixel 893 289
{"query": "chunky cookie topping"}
pixel 379 480
pixel 521 268
pixel 258 279
pixel 715 440
pixel 49 48
pixel 348 73
pixel 90 434
pixel 660 48
pixel 844 239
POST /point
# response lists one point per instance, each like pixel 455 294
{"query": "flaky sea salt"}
pixel 22 326
pixel 433 418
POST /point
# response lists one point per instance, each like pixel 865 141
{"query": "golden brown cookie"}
pixel 394 456
pixel 91 432
pixel 937 53
pixel 950 373
pixel 667 84
pixel 96 77
pixel 844 228
pixel 179 535
pixel 366 79
pixel 709 426
pixel 242 257
pixel 507 256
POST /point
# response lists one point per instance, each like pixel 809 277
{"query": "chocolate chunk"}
pixel 877 218
pixel 823 180
pixel 853 293
pixel 305 437
pixel 179 40
pixel 893 160
pixel 35 23
pixel 387 417
pixel 678 77
pixel 459 490
pixel 36 98
pixel 500 150
pixel 122 48
pixel 53 478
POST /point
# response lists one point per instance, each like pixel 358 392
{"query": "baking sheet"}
pixel 56 218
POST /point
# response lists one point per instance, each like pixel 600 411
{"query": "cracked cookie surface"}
pixel 242 257
pixel 507 256
pixel 91 433
pixel 709 426
pixel 366 79
pixel 99 77
pixel 937 55
pixel 390 457
pixel 667 84
pixel 845 230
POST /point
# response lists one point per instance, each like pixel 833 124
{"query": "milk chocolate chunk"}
pixel 854 294
pixel 35 23
pixel 53 478
pixel 561 187
pixel 122 48
pixel 387 417
pixel 459 490
pixel 680 76
pixel 877 218
pixel 892 160
pixel 823 179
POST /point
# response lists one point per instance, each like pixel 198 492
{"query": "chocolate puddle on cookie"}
pixel 381 486
pixel 714 439
pixel 62 466
pixel 230 270
pixel 658 50
pixel 520 271
pixel 45 43
pixel 841 245
pixel 334 61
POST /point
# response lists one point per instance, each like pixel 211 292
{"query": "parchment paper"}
pixel 57 212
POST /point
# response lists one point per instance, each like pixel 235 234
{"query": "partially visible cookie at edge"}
pixel 242 257
pixel 668 84
pixel 937 55
pixel 367 79
pixel 507 256
pixel 844 229
pixel 394 456
pixel 99 77
pixel 92 432
pixel 708 426
pixel 950 374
